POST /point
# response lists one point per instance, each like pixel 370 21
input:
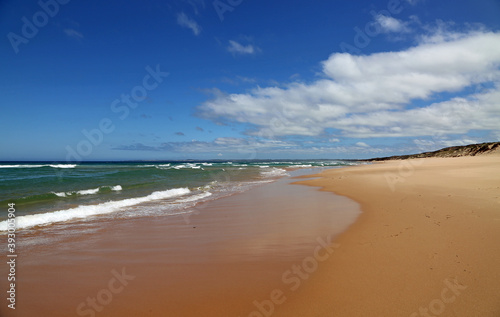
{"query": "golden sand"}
pixel 427 243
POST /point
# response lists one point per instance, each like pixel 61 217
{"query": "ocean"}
pixel 60 193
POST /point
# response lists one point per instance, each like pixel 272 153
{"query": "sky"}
pixel 240 79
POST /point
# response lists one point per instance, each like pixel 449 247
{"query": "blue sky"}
pixel 195 79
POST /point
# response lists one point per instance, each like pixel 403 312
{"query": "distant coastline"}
pixel 453 151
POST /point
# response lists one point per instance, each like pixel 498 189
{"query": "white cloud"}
pixel 362 144
pixel 371 95
pixel 442 31
pixel 235 47
pixel 184 21
pixel 389 24
pixel 249 147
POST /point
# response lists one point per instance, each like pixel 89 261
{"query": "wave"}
pixel 155 165
pixel 39 165
pixel 89 191
pixel 274 172
pixel 195 197
pixel 62 165
pixel 177 166
pixel 187 165
pixel 86 211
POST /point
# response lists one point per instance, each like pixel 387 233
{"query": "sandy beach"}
pixel 233 158
pixel 426 243
pixel 409 238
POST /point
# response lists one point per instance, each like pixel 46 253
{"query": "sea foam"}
pixel 39 165
pixel 274 172
pixel 85 211
pixel 91 191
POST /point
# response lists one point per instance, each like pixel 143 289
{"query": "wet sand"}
pixel 226 258
pixel 426 244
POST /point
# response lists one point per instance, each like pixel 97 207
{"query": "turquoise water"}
pixel 47 193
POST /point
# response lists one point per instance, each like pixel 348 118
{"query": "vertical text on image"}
pixel 11 255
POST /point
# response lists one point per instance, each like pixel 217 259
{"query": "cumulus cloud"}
pixel 185 21
pixel 389 24
pixel 372 95
pixel 237 48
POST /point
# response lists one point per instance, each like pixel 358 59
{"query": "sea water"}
pixel 49 193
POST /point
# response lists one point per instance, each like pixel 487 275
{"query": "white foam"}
pixel 189 165
pixel 39 165
pixel 85 211
pixel 19 166
pixel 63 165
pixel 195 197
pixel 116 188
pixel 210 185
pixel 88 191
pixel 274 172
pixel 163 167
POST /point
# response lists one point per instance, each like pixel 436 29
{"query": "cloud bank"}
pixel 447 84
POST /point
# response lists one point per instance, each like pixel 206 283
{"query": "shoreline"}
pixel 217 261
pixel 425 243
pixel 400 238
